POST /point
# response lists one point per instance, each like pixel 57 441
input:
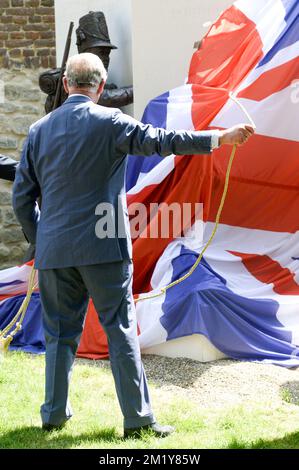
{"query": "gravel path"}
pixel 223 383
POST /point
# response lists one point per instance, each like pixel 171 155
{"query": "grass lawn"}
pixel 97 421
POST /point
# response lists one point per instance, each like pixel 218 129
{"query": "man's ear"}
pixel 65 85
pixel 101 87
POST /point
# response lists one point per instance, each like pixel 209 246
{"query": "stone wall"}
pixel 27 40
pixel 27 33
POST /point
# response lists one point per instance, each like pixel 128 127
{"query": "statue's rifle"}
pixel 63 65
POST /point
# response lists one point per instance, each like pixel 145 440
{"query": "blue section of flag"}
pixel 12 283
pixel 290 33
pixel 155 114
pixel 31 337
pixel 240 327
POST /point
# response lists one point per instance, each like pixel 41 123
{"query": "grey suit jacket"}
pixel 75 158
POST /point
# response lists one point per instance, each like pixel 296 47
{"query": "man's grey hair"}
pixel 85 71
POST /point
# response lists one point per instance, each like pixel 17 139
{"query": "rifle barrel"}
pixel 64 61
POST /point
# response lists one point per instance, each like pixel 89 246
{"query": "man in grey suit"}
pixel 75 158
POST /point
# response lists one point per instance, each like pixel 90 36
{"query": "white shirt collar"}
pixel 79 94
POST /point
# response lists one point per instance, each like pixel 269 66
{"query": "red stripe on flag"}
pixel 264 185
pixel 10 296
pixel 268 271
pixel 272 81
pixel 93 342
pixel 229 51
pixel 266 160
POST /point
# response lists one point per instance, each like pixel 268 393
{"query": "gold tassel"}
pixel 4 343
pixel 5 338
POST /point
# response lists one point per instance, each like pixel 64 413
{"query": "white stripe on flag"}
pixel 155 176
pixel 268 15
pixel 265 115
pixel 179 109
pixel 282 57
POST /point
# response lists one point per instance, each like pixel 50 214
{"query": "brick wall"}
pixel 27 33
pixel 27 47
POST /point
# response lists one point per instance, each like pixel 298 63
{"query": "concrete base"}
pixel 196 347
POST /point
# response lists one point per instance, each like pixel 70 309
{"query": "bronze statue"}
pixel 8 168
pixel 92 36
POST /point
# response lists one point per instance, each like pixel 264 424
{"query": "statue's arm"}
pixel 117 97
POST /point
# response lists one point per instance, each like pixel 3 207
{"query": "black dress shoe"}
pixel 52 427
pixel 154 429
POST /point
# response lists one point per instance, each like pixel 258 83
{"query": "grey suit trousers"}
pixel 64 295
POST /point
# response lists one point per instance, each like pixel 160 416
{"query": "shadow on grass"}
pixel 289 441
pixel 33 437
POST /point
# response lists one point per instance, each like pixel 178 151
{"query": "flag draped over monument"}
pixel 244 296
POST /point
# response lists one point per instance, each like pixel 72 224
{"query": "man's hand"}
pixel 236 135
